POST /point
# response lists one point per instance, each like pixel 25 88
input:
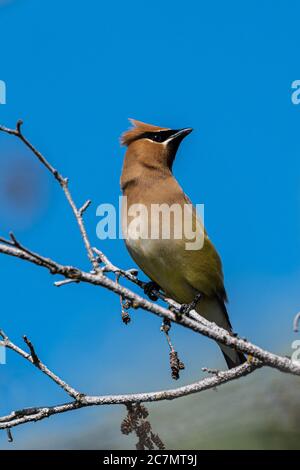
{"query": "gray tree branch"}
pixel 81 400
pixel 101 265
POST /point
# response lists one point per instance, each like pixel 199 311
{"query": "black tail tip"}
pixel 239 360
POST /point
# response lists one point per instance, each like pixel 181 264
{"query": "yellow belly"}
pixel 163 262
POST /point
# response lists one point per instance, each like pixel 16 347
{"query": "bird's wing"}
pixel 205 273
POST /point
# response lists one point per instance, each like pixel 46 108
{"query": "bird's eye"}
pixel 157 138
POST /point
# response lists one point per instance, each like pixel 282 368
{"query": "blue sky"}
pixel 75 71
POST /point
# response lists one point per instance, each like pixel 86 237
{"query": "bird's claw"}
pixel 186 308
pixel 150 288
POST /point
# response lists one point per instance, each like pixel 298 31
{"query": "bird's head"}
pixel 153 145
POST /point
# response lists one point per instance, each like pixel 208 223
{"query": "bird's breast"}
pixel 162 261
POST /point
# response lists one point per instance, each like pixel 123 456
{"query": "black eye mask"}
pixel 159 136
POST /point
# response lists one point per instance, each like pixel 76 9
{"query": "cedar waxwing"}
pixel 183 274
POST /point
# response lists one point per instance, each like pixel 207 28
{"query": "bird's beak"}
pixel 181 134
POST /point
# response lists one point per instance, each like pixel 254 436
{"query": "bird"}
pixel 190 277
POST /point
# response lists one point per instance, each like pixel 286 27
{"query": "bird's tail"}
pixel 233 358
pixel 215 311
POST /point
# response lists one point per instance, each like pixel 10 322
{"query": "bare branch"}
pixel 26 415
pixel 211 330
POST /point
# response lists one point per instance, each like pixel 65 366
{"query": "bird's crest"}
pixel 138 128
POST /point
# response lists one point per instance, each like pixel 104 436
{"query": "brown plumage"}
pixel 147 179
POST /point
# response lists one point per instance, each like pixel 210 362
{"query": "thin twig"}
pixel 211 371
pixel 64 185
pixel 84 207
pixel 296 322
pixel 34 355
pixel 176 364
pixel 33 358
pixel 9 435
pixel 125 305
pixel 65 281
pixel 165 328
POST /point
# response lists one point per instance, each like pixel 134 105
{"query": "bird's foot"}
pixel 150 290
pixel 185 309
pixel 233 334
